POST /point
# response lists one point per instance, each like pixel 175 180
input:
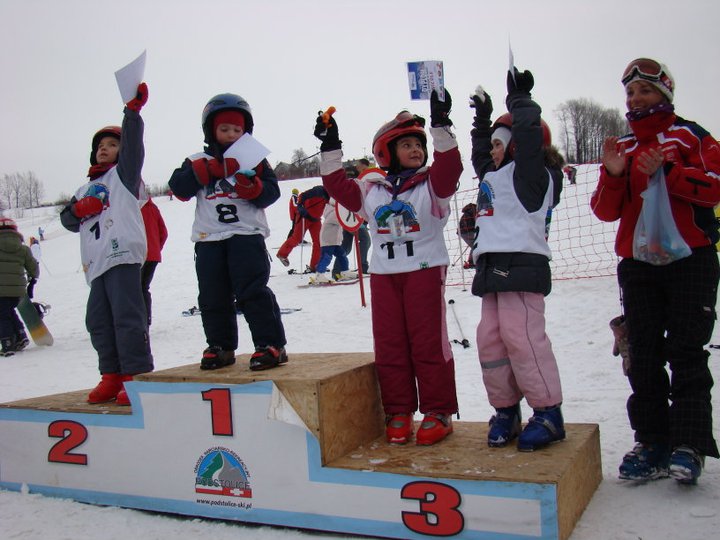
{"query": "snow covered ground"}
pixel 332 319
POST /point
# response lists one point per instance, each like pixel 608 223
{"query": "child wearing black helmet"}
pixel 106 213
pixel 229 231
pixel 520 177
pixel 406 211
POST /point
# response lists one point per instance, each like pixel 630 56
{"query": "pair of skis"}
pixel 196 311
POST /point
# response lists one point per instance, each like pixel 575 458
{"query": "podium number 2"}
pixel 71 435
pixel 438 505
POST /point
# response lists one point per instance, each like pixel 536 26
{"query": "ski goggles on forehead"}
pixel 643 68
pixel 405 119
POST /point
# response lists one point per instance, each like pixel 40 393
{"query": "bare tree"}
pixel 11 189
pixel 21 190
pixel 34 189
pixel 585 125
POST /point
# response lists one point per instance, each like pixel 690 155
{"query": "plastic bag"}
pixel 657 240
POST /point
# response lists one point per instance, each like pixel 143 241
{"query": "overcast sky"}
pixel 290 58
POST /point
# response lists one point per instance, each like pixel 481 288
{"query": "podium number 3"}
pixel 438 505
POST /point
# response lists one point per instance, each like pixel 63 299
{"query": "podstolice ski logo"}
pixel 221 472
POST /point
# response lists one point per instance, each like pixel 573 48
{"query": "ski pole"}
pixel 460 246
pixel 465 343
pixel 302 239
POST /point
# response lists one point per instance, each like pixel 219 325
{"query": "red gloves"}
pixel 248 187
pixel 222 169
pixel 211 169
pixel 140 99
pixel 87 206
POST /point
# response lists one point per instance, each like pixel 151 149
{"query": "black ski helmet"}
pixel 223 102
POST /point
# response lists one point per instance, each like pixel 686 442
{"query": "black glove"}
pixel 440 110
pixel 328 134
pixel 482 103
pixel 522 82
pixel 31 287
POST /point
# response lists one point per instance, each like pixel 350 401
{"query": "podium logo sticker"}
pixel 221 472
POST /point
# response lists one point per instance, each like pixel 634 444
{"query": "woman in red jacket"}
pixel 669 305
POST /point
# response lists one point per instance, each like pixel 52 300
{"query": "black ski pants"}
pixel 670 314
pixel 233 275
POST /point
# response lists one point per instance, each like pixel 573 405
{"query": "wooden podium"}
pixel 298 446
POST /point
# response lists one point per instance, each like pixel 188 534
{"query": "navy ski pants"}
pixel 117 321
pixel 235 272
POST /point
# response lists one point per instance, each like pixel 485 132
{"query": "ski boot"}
pixel 319 278
pixel 122 397
pixel 645 461
pixel 21 341
pixel 686 465
pixel 544 426
pixel 504 426
pixel 267 358
pixel 398 428
pixel 434 428
pixel 8 347
pixel 346 275
pixel 107 389
pixel 215 358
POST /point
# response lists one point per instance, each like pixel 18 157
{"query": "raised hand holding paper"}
pixel 424 77
pixel 129 77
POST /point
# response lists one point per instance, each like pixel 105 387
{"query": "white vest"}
pixel 407 233
pixel 503 224
pixel 117 234
pixel 220 213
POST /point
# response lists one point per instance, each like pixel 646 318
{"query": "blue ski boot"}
pixel 504 426
pixel 646 461
pixel 686 464
pixel 544 426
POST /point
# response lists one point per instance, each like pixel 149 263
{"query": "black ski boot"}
pixel 21 341
pixel 267 358
pixel 8 346
pixel 215 358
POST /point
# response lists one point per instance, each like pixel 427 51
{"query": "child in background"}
pixel 292 210
pixel 520 180
pixel 156 234
pixel 331 234
pixel 106 213
pixel 310 208
pixel 229 231
pixel 406 212
pixel 16 265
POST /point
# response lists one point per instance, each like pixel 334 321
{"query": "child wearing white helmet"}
pixel 520 179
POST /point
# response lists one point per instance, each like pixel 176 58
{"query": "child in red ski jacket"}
pixel 406 211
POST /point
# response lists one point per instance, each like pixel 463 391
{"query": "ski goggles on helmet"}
pixel 646 69
pixel 406 119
